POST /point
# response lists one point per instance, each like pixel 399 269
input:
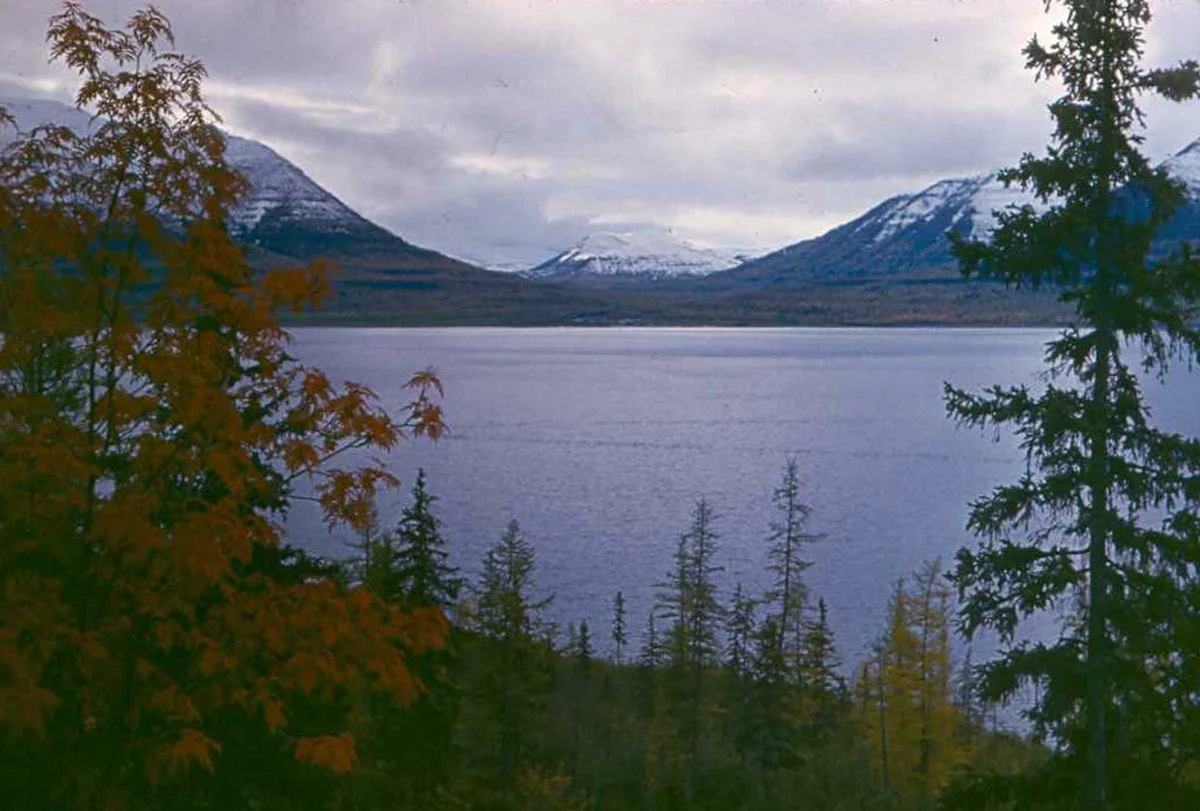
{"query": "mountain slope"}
pixel 608 259
pixel 285 212
pixel 287 218
pixel 905 236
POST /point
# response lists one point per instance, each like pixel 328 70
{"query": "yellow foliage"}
pixel 147 445
pixel 904 693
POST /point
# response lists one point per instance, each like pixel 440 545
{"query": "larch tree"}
pixel 620 631
pixel 789 540
pixel 152 429
pixel 1104 520
pixel 688 603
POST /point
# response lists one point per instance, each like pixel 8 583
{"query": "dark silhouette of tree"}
pixel 822 687
pixel 788 541
pixel 422 573
pixel 510 681
pixel 1105 517
pixel 620 633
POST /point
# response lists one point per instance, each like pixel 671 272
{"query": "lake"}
pixel 599 441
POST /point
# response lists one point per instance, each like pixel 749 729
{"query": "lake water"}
pixel 599 441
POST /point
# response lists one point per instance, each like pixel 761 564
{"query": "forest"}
pixel 164 645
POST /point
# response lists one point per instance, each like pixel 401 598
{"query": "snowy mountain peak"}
pixel 640 253
pixel 1184 165
pixel 284 210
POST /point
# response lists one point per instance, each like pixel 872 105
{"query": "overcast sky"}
pixel 502 131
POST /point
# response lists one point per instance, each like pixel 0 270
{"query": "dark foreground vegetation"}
pixel 162 646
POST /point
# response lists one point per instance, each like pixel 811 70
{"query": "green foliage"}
pixel 1105 519
pixel 510 675
pixel 422 573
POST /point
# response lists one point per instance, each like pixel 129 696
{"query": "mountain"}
pixel 285 212
pixel 905 236
pixel 286 218
pixel 609 259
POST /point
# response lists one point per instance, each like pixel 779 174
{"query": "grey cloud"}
pixel 496 128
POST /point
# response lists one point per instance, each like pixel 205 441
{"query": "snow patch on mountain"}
pixel 642 253
pixel 1184 165
pixel 972 203
pixel 275 182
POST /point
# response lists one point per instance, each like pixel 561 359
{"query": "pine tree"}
pixel 1117 494
pixel 788 542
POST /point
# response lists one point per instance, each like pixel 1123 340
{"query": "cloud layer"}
pixel 502 131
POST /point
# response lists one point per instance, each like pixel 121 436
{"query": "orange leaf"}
pixel 335 753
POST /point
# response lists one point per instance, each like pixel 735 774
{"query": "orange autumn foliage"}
pixel 153 428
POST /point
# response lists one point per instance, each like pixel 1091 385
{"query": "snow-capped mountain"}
pixel 625 256
pixel 285 211
pixel 906 234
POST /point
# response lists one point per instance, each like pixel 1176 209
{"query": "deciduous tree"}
pixel 152 428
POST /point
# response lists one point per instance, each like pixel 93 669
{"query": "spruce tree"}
pixel 819 662
pixel 650 656
pixel 511 680
pixel 1105 518
pixel 771 712
pixel 420 557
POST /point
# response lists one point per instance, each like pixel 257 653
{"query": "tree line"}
pixel 729 701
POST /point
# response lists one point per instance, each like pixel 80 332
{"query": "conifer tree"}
pixel 420 557
pixel 771 712
pixel 1105 517
pixel 822 687
pixel 739 634
pixel 788 541
pixel 915 723
pixel 688 602
pixel 584 652
pixel 650 656
pixel 511 682
pixel 620 636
